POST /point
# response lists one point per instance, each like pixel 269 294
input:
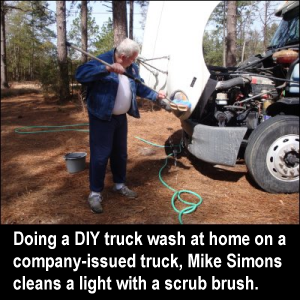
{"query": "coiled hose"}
pixel 177 194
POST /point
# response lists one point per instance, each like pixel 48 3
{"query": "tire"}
pixel 272 154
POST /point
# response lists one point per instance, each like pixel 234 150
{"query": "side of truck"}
pixel 250 111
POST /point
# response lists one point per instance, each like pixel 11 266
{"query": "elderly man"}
pixel 110 96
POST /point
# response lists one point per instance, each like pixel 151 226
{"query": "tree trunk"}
pixel 119 21
pixel 131 3
pixel 4 83
pixel 243 50
pixel 84 37
pixel 224 35
pixel 231 33
pixel 64 90
pixel 265 24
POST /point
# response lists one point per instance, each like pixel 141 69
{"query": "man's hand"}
pixel 164 104
pixel 161 95
pixel 116 68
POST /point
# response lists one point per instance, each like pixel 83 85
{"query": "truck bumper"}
pixel 216 145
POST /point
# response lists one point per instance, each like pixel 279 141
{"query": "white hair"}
pixel 128 47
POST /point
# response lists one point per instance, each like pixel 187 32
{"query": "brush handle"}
pixel 100 60
pixel 109 65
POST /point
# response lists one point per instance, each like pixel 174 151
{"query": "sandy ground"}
pixel 36 187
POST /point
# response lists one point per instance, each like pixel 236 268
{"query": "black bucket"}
pixel 75 161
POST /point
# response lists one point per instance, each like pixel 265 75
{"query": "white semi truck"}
pixel 250 111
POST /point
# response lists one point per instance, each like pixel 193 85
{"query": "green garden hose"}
pixel 20 130
pixel 177 194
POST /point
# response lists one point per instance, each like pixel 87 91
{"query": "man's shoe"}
pixel 125 191
pixel 95 203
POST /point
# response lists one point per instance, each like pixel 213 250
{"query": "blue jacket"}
pixel 102 87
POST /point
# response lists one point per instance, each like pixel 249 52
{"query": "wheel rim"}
pixel 283 158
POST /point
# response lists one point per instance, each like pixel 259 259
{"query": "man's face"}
pixel 127 61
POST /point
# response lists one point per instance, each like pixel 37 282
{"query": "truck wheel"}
pixel 272 154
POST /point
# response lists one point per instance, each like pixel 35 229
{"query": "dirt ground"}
pixel 36 187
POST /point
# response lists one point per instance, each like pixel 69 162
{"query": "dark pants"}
pixel 108 139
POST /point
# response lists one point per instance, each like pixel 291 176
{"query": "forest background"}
pixel 33 36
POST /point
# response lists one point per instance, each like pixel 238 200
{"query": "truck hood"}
pixel 172 51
